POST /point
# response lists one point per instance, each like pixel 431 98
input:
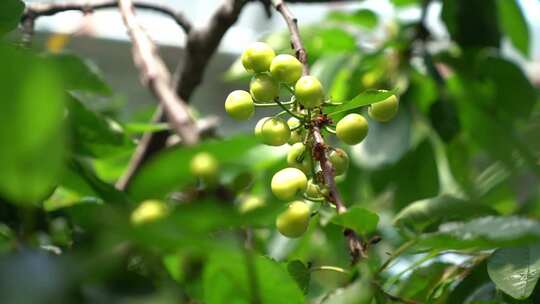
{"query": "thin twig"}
pixel 356 246
pixel 392 297
pixel 155 75
pixel 36 10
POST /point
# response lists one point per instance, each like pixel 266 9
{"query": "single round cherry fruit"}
pixel 149 211
pixel 250 203
pixel 205 166
pixel 312 189
pixel 309 91
pixel 239 105
pixel 275 132
pixel 299 158
pixel 258 127
pixel 263 88
pixel 384 110
pixel 294 221
pixel 287 182
pixel 258 57
pixel 352 129
pixel 298 134
pixel 286 68
pixel 340 161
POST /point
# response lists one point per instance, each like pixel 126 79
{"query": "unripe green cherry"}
pixel 258 57
pixel 340 161
pixel 298 134
pixel 250 203
pixel 263 88
pixel 288 182
pixel 352 129
pixel 384 110
pixel 149 211
pixel 294 221
pixel 286 68
pixel 309 91
pixel 299 158
pixel 205 166
pixel 312 189
pixel 258 127
pixel 275 132
pixel 239 105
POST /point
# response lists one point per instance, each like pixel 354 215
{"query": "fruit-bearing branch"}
pixel 357 248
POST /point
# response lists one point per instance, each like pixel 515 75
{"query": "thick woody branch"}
pixel 201 45
pixel 36 10
pixel 356 246
pixel 155 75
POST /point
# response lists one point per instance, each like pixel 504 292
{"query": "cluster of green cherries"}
pixel 271 73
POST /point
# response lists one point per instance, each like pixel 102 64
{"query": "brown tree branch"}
pixel 357 248
pixel 155 75
pixel 201 45
pixel 36 10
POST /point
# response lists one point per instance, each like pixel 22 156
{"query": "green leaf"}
pixel 92 134
pixel 403 3
pixel 363 17
pixel 10 15
pixel 358 219
pixel 358 292
pixel 79 74
pixel 32 141
pixel 483 233
pixel 513 24
pixel 170 169
pixel 300 273
pixel 472 23
pixel 363 99
pixel 233 277
pixel 421 213
pixel 515 270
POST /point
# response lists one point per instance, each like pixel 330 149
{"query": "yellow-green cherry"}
pixel 205 166
pixel 309 91
pixel 340 161
pixel 294 221
pixel 258 127
pixel 299 158
pixel 384 110
pixel 149 211
pixel 352 129
pixel 312 189
pixel 263 88
pixel 250 203
pixel 239 105
pixel 298 134
pixel 288 182
pixel 275 132
pixel 258 57
pixel 286 68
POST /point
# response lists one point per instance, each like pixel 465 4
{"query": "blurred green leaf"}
pixel 358 292
pixel 386 143
pixel 321 41
pixel 79 74
pixel 232 277
pixel 363 99
pixel 32 141
pixel 300 273
pixel 358 219
pixel 513 24
pixel 483 233
pixel 363 17
pixel 140 128
pixel 422 213
pixel 472 23
pixel 92 134
pixel 402 3
pixel 515 270
pixel 422 281
pixel 156 177
pixel 476 277
pixel 10 15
